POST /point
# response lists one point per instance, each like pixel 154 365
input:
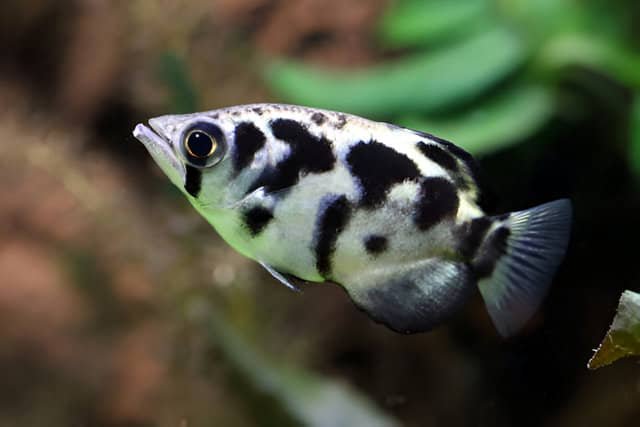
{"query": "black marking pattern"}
pixel 458 152
pixel 376 244
pixel 473 233
pixel 465 157
pixel 318 118
pixel 257 218
pixel 438 155
pixel 248 140
pixel 377 168
pixel 490 252
pixel 329 224
pixel 437 200
pixel 309 154
pixel 193 180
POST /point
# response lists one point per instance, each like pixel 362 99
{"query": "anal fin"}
pixel 413 297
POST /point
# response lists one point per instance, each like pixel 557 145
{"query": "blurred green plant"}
pixel 502 118
pixel 623 338
pixel 634 152
pixel 425 82
pixel 174 73
pixel 278 393
pixel 484 73
pixel 420 23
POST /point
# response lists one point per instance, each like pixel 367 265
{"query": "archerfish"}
pixel 390 214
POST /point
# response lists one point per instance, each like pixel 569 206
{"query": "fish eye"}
pixel 203 145
pixel 199 144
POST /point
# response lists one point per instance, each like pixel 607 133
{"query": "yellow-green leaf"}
pixel 623 338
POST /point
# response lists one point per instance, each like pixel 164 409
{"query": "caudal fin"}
pixel 518 260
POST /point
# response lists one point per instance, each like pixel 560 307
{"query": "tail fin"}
pixel 518 259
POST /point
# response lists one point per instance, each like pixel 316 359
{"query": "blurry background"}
pixel 119 306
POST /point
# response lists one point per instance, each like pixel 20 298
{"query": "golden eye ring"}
pixel 199 144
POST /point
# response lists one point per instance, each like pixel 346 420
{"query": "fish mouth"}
pixel 161 150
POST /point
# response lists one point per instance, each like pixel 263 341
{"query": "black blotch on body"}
pixel 490 252
pixel 193 180
pixel 377 168
pixel 342 120
pixel 465 157
pixel 438 156
pixel 257 219
pixel 248 140
pixel 257 110
pixel 458 152
pixel 309 154
pixel 376 244
pixel 318 118
pixel 330 223
pixel 312 153
pixel 472 235
pixel 437 199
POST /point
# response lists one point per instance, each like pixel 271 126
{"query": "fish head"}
pixel 191 149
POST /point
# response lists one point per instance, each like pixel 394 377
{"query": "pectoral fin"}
pixel 413 297
pixel 283 278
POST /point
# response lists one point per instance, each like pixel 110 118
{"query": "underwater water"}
pixel 121 306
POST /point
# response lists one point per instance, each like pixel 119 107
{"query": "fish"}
pixel 390 214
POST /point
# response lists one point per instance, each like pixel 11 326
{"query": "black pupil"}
pixel 200 144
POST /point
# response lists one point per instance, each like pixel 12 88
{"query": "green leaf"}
pixel 496 124
pixel 305 398
pixel 623 338
pixel 418 22
pixel 172 70
pixel 425 82
pixel 589 51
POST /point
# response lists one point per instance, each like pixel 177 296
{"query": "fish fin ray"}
pixel 283 278
pixel 257 196
pixel 261 197
pixel 537 241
